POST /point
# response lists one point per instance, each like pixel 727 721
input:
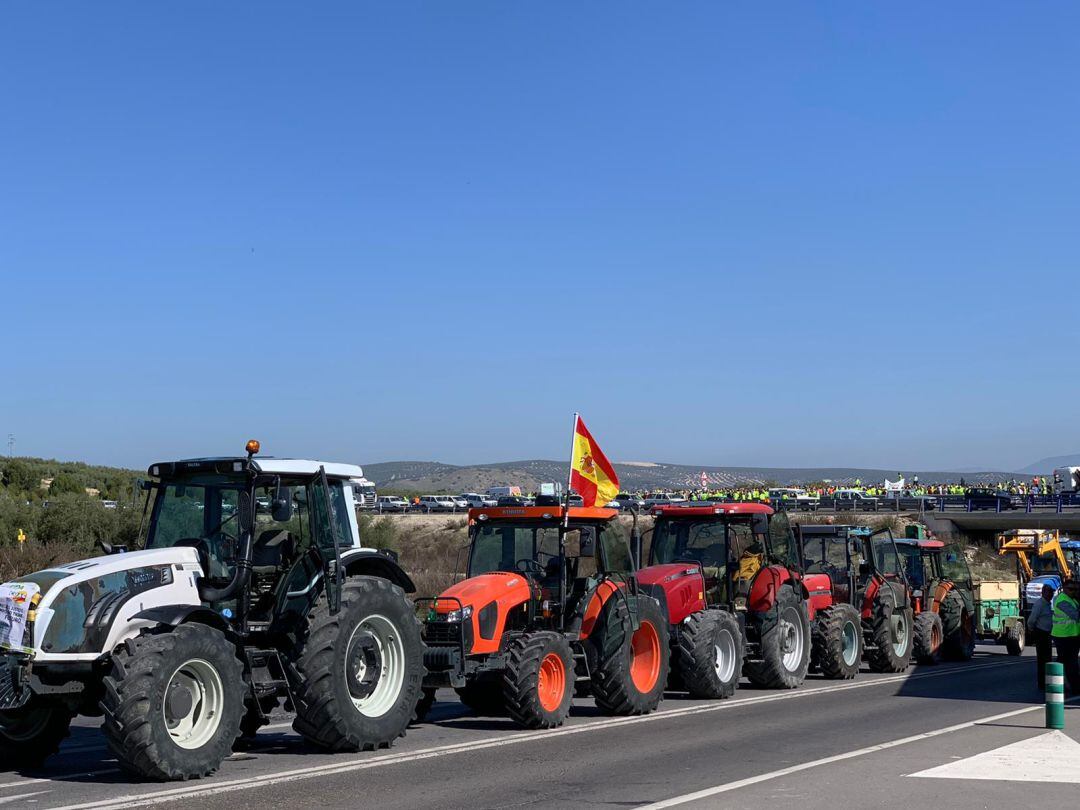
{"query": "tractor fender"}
pixel 766 588
pixel 175 615
pixel 372 563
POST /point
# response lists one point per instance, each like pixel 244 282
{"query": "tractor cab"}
pixel 731 543
pixel 561 562
pixel 928 563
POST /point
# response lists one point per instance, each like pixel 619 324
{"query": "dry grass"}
pixel 26 558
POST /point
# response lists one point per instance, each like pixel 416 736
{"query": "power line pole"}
pixel 11 444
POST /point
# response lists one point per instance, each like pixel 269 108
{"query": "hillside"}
pixel 1047 465
pixel 418 476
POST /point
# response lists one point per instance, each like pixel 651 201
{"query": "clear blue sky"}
pixel 728 233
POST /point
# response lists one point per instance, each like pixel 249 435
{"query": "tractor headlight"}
pixel 459 615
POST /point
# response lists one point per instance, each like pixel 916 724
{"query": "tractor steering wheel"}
pixel 530 566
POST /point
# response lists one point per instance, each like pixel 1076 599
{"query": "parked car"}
pixel 438 503
pixel 854 500
pixel 477 501
pixel 628 501
pixel 793 498
pixel 662 499
pixel 391 503
pixel 513 500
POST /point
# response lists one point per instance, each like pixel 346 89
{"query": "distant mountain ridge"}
pixel 1048 465
pixel 433 476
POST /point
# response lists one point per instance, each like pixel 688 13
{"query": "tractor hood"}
pixel 71 609
pixel 476 592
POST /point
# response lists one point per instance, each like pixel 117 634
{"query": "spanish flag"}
pixel 591 474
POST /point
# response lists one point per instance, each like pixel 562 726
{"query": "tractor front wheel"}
pixel 1015 639
pixel 838 642
pixel 959 626
pixel 30 735
pixel 538 682
pixel 785 644
pixel 710 654
pixel 360 668
pixel 173 702
pixel 632 664
pixel 928 638
pixel 890 633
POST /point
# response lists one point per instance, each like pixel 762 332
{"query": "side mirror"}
pixel 247 514
pixel 281 509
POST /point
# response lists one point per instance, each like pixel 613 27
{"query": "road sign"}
pixel 21 536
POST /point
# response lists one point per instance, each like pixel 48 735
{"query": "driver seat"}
pixel 272 548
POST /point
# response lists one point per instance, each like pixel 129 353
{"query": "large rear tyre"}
pixel 632 665
pixel 173 702
pixel 838 642
pixel 360 670
pixel 1015 639
pixel 928 638
pixel 785 644
pixel 538 682
pixel 959 626
pixel 890 635
pixel 710 654
pixel 32 734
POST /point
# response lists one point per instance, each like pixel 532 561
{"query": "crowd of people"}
pixel 1037 485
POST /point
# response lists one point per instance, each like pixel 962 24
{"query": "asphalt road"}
pixel 826 744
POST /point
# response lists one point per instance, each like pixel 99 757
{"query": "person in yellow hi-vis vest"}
pixel 1066 632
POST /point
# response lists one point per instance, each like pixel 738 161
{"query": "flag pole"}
pixel 570 474
pixel 566 527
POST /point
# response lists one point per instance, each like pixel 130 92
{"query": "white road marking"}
pixel 65 777
pixel 369 762
pixel 1052 757
pixel 805 766
pixel 23 796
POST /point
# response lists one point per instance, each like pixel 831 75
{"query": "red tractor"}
pixel 549 608
pixel 727 575
pixel 860 599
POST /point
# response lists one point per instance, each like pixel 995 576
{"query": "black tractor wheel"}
pixel 890 635
pixel 173 702
pixel 32 734
pixel 423 706
pixel 631 665
pixel 928 638
pixel 360 669
pixel 959 627
pixel 538 682
pixel 1015 639
pixel 785 644
pixel 709 654
pixel 484 696
pixel 838 642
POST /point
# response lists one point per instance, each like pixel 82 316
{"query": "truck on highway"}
pixel 1070 479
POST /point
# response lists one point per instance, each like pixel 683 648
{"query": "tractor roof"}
pixel 713 509
pixel 540 513
pixel 911 541
pixel 265 464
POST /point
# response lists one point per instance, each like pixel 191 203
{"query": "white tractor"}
pixel 253 588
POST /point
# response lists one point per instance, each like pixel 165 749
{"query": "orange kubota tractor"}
pixel 550 607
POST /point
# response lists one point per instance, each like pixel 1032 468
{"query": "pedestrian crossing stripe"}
pixel 1051 757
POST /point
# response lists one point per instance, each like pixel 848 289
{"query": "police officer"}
pixel 1040 624
pixel 1066 632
